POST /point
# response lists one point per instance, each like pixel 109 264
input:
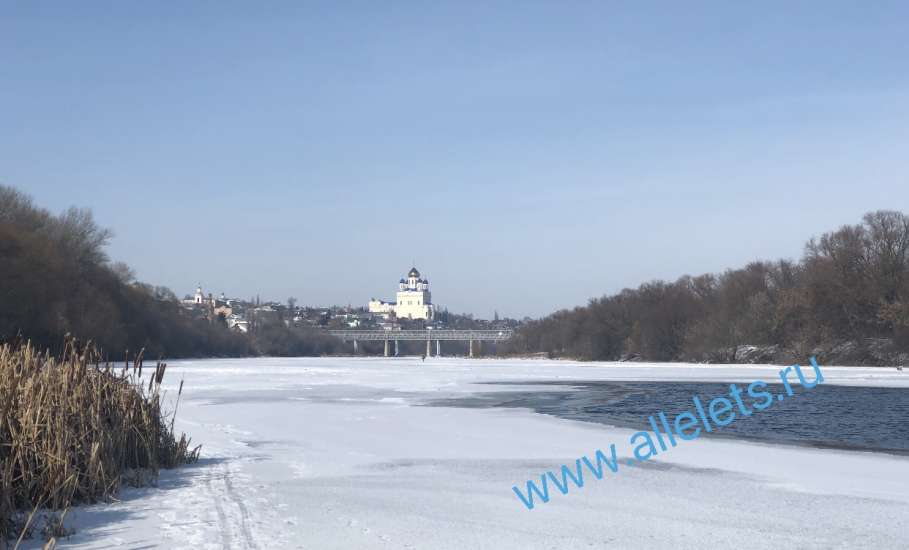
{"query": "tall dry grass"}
pixel 72 429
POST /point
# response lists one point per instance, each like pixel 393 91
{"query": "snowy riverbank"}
pixel 335 453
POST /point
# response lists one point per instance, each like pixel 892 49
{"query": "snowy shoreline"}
pixel 332 453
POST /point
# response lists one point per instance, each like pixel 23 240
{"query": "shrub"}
pixel 72 429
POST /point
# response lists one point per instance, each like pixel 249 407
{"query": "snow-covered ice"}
pixel 338 453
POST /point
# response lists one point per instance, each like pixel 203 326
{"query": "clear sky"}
pixel 526 155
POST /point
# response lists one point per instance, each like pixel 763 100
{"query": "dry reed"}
pixel 73 429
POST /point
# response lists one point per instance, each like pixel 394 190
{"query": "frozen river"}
pixel 341 453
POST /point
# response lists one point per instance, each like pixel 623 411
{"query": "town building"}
pixel 413 300
pixel 209 307
pixel 237 323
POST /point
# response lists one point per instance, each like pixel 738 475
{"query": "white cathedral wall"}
pixel 413 311
pixel 413 305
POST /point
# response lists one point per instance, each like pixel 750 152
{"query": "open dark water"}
pixel 874 419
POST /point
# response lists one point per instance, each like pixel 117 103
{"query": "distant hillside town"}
pixel 412 308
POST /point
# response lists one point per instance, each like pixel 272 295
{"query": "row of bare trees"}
pixel 851 285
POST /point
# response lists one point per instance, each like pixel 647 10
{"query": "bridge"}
pixel 427 335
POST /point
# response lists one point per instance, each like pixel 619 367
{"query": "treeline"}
pixel 274 338
pixel 56 279
pixel 846 300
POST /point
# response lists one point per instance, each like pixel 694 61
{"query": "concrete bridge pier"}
pixel 470 347
pixel 396 348
pixel 355 347
pixel 386 348
pixel 428 348
pixel 438 348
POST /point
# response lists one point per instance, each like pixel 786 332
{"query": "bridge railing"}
pixel 430 334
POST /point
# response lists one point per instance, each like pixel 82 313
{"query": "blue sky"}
pixel 527 156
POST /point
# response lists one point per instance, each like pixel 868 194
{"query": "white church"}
pixel 414 300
